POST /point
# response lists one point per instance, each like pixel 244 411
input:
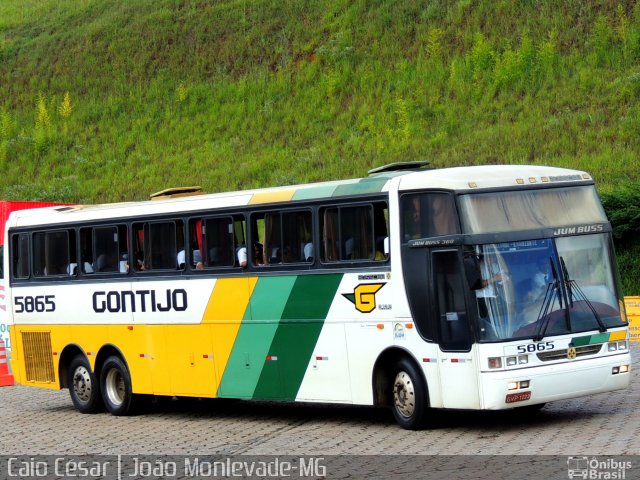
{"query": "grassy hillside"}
pixel 111 100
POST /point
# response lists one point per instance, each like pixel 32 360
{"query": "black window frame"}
pixel 372 203
pixel 71 233
pixel 254 237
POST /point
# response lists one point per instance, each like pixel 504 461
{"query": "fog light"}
pixel 524 384
pixel 512 385
pixel 495 362
pixel 622 345
pixel 612 347
pixel 522 359
pixel 511 361
pixel 624 368
pixel 615 370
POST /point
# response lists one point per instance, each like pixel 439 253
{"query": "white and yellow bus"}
pixel 488 287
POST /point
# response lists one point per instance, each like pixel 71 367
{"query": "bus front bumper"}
pixel 559 381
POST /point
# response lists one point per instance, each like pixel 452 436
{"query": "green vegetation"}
pixel 110 100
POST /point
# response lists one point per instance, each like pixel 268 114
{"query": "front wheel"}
pixel 409 396
pixel 115 383
pixel 83 386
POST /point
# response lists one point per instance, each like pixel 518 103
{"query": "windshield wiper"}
pixel 553 290
pixel 573 285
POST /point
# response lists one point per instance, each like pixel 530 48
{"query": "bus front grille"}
pixel 38 358
pixel 563 354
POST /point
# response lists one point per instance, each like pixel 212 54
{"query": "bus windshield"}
pixel 546 287
pixel 530 209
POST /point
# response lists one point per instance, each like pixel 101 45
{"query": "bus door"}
pixel 458 369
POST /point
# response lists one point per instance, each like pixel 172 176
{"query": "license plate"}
pixel 518 397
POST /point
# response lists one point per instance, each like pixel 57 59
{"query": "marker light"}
pixel 518 385
pixel 495 362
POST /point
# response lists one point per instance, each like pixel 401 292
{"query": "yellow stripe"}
pixel 619 335
pixel 269 197
pixel 225 311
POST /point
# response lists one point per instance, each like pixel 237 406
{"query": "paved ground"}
pixel 38 421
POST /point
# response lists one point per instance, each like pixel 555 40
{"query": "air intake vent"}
pixel 562 354
pixel 38 358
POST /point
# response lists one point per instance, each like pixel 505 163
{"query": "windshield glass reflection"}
pixel 538 288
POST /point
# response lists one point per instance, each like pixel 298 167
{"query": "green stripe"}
pixel 314 192
pixel 255 335
pixel 590 339
pixel 581 341
pixel 600 338
pixel 366 185
pixel 297 335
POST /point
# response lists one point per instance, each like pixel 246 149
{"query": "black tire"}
pixel 84 387
pixel 115 384
pixel 409 400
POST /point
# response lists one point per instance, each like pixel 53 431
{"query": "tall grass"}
pixel 109 100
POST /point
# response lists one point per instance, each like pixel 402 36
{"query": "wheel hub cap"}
pixel 82 384
pixel 404 394
pixel 115 387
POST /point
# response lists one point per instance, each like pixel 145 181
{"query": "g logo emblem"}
pixel 571 353
pixel 364 296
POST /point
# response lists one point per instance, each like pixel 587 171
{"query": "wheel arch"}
pixel 382 376
pixel 105 352
pixel 69 352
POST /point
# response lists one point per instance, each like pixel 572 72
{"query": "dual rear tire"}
pixel 111 391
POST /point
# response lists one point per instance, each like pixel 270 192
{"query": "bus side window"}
pixel 158 245
pixel 104 249
pixel 428 215
pixel 217 243
pixel 351 233
pixel 297 240
pixel 20 255
pixel 54 253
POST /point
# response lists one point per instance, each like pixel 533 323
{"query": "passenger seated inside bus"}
pixel 241 253
pixel 180 259
pixel 106 263
pixel 258 253
pixel 308 252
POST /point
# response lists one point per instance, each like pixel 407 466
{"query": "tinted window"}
pixel 104 249
pixel 158 246
pixel 282 238
pixel 354 233
pixel 52 252
pixel 20 255
pixel 428 215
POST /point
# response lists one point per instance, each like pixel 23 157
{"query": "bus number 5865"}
pixel 39 303
pixel 535 347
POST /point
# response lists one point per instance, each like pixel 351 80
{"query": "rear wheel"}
pixel 409 396
pixel 83 386
pixel 115 383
